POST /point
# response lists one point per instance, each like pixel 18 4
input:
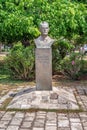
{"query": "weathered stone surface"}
pixel 13 120
pixel 43 69
pixel 39 123
pixel 74 120
pixel 51 128
pixel 25 129
pixel 85 128
pixel 54 96
pixel 19 115
pixel 41 100
pixel 63 123
pixel 38 128
pixel 76 126
pixel 26 124
pixel 2 129
pixel 1 114
pixel 13 128
pixel 4 124
pixel 52 121
pixel 16 121
pixel 63 128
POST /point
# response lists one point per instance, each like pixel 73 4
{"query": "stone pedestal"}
pixel 43 69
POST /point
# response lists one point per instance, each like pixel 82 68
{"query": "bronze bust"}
pixel 44 41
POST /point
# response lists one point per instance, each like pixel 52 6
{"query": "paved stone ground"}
pixel 68 98
pixel 43 120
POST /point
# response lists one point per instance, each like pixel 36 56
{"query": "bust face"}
pixel 44 29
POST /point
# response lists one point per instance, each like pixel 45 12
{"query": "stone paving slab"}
pixel 58 98
pixel 43 121
pixel 81 95
pixel 63 93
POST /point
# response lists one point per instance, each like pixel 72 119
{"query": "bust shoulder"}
pixel 37 40
pixel 43 43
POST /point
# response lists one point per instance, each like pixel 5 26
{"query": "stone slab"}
pixel 43 100
pixel 52 121
pixel 43 69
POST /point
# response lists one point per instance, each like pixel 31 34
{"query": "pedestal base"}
pixel 58 98
pixel 43 69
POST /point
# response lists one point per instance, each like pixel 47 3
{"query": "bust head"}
pixel 44 28
pixel 44 41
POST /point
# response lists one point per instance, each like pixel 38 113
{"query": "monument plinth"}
pixel 43 69
pixel 43 59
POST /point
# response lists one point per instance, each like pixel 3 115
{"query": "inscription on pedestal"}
pixel 43 69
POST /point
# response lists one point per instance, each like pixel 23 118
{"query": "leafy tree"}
pixel 15 25
pixel 19 19
pixel 83 1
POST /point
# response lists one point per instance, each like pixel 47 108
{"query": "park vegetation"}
pixel 19 21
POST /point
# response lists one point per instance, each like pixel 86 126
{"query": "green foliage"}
pixel 66 18
pixel 72 65
pixel 2 63
pixel 64 47
pixel 3 71
pixel 19 19
pixel 83 1
pixel 20 62
pixel 15 25
pixel 56 59
pixel 60 50
pixel 84 68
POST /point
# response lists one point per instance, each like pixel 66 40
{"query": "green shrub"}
pixel 84 68
pixel 56 59
pixel 60 49
pixel 64 47
pixel 2 67
pixel 72 65
pixel 20 62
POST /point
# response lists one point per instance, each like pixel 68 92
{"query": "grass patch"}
pixel 5 103
pixel 46 110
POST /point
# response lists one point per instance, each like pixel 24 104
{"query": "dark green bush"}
pixel 20 62
pixel 84 68
pixel 72 65
pixel 64 47
pixel 56 59
pixel 60 49
pixel 2 67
